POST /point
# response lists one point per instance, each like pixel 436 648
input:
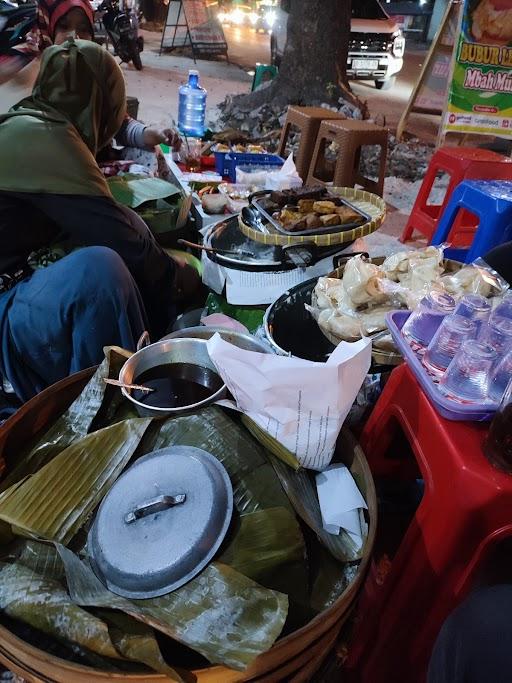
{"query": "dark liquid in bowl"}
pixel 176 385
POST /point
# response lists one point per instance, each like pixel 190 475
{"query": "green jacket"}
pixel 48 142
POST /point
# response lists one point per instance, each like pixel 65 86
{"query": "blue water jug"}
pixel 192 106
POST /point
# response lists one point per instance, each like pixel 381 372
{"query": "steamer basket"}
pixel 296 656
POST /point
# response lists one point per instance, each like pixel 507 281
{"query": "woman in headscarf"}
pixel 56 320
pixel 56 20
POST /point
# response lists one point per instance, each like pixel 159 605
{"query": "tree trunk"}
pixel 314 65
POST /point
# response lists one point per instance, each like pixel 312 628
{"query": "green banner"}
pixel 480 96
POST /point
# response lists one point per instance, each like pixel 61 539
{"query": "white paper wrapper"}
pixel 341 503
pixel 300 403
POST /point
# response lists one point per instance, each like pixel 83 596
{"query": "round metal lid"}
pixel 161 523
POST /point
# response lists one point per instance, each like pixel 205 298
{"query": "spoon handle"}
pixel 124 385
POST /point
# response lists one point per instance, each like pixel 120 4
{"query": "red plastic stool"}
pixel 461 163
pixel 465 509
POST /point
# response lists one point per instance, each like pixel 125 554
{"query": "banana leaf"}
pixel 131 639
pixel 136 641
pixel 266 540
pixel 54 502
pixel 43 604
pixel 41 558
pixel 221 614
pixel 255 485
pixel 301 491
pixel 133 190
pixel 330 578
pixel 74 424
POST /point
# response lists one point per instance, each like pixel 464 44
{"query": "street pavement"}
pixel 157 85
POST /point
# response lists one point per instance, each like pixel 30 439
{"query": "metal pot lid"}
pixel 247 254
pixel 161 523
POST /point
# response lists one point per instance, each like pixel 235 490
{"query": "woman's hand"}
pixel 169 136
pixel 187 280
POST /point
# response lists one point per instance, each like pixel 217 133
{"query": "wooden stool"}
pixel 350 136
pixel 307 120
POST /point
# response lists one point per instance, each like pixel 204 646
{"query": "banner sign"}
pixel 429 93
pixel 480 94
pixel 189 23
pixel 431 96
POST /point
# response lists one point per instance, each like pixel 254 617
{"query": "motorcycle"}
pixel 122 28
pixel 15 23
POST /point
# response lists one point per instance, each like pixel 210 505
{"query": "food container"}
pixel 292 331
pixel 192 352
pixel 161 523
pixel 295 655
pixel 243 341
pixel 267 162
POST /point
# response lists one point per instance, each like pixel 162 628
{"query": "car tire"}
pixel 385 85
pixel 275 59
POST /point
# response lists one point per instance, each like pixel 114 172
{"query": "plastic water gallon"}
pixel 192 106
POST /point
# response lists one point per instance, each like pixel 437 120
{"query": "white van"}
pixel 376 46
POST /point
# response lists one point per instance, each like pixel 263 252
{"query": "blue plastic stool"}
pixel 491 202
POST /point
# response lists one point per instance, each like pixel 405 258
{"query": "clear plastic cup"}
pixel 468 375
pixel 424 322
pixel 501 377
pixel 474 307
pixel 503 309
pixel 448 339
pixel 497 333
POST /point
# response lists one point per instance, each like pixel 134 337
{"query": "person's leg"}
pixel 475 643
pixel 500 258
pixel 59 321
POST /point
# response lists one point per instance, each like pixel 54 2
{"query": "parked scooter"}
pixel 122 29
pixel 15 23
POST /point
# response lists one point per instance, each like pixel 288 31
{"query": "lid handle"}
pixel 153 506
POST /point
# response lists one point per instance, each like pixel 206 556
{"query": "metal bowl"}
pixel 243 341
pixel 164 352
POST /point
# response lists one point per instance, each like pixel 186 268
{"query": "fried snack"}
pixel 222 148
pixel 347 215
pixel 306 205
pixel 284 197
pixel 330 219
pixel 288 217
pixel 324 207
pixel 255 149
pixel 298 225
pixel 313 221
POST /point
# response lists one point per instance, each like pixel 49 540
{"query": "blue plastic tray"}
pixel 448 408
pixel 220 163
pixel 232 160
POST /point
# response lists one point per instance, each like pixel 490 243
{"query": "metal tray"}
pixel 256 200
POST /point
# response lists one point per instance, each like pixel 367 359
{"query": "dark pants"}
pixel 58 321
pixel 500 259
pixel 30 221
pixel 475 643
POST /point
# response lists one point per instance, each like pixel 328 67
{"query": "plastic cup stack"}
pixel 468 375
pixel 497 333
pixel 424 322
pixel 448 339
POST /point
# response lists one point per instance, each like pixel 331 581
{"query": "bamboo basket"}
pixel 294 658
